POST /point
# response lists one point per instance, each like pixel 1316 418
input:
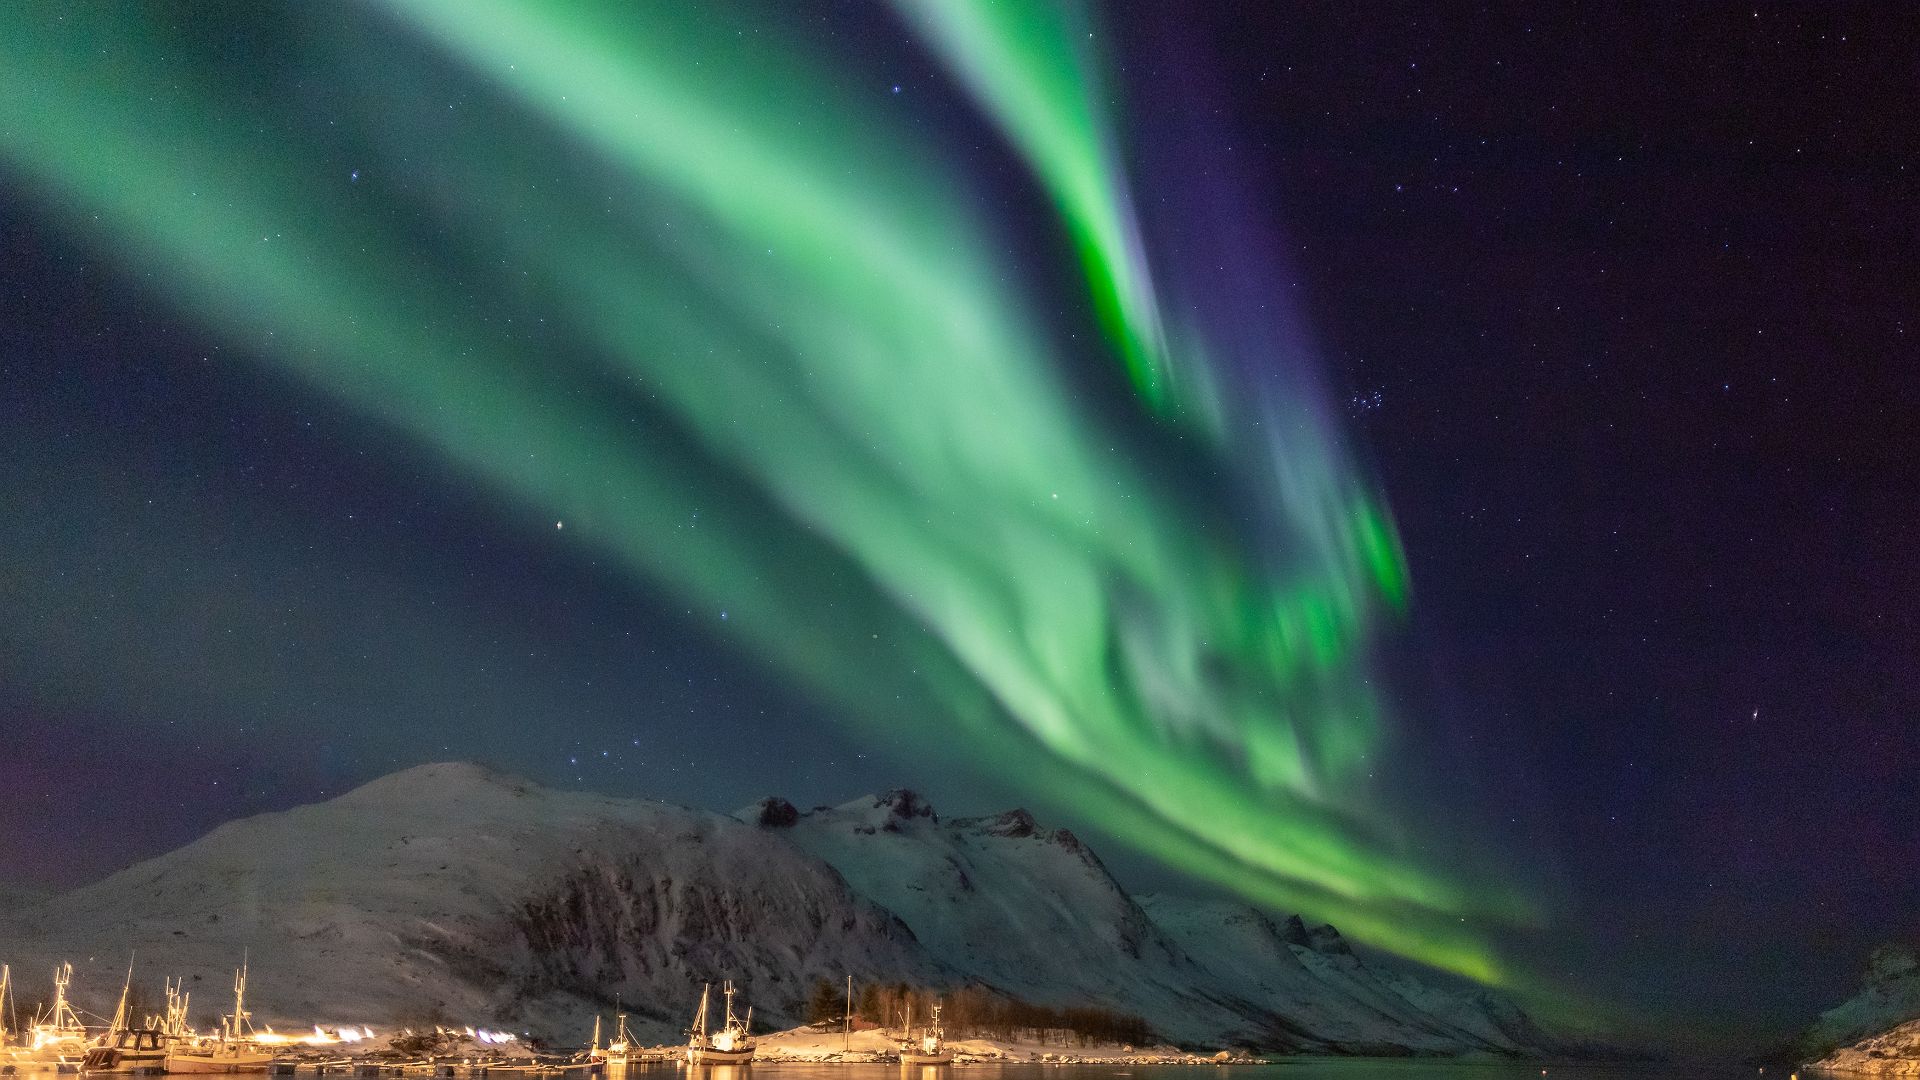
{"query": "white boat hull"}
pixel 220 1064
pixel 45 1059
pixel 102 1060
pixel 710 1056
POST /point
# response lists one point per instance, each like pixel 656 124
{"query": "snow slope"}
pixel 1277 965
pixel 990 895
pixel 1889 996
pixel 455 893
pixel 1890 1053
pixel 1027 910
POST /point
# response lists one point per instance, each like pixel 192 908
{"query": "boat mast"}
pixel 120 1012
pixel 240 1024
pixel 699 1031
pixel 62 1017
pixel 846 1040
pixel 176 1021
pixel 6 983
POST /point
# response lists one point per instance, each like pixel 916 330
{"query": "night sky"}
pixel 1610 313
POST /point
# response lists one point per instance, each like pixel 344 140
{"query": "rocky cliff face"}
pixel 456 892
pixel 1891 1053
pixel 1889 996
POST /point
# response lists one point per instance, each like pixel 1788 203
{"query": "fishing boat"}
pixel 55 1039
pixel 930 1048
pixel 620 1049
pixel 234 1050
pixel 731 1045
pixel 125 1048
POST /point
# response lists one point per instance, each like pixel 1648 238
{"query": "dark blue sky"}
pixel 1624 311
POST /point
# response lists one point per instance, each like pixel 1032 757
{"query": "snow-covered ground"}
pixel 872 1044
pixel 453 894
pixel 1890 1053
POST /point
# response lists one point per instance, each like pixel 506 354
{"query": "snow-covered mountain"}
pixel 1027 910
pixel 1889 997
pixel 453 891
pixel 1890 1053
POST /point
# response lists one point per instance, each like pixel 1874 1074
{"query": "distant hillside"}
pixel 452 891
pixel 1895 1052
pixel 1889 996
pixel 13 897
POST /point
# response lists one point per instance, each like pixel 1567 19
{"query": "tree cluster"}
pixel 973 1011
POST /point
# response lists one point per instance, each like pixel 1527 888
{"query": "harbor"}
pixel 56 1039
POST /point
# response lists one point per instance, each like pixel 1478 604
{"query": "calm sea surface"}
pixel 1283 1069
pixel 1280 1069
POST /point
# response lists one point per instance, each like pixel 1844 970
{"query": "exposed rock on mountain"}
pixel 1889 997
pixel 453 891
pixel 1890 1053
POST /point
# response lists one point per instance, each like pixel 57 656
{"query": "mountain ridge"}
pixel 1875 1020
pixel 456 890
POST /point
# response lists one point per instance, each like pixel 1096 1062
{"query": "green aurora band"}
pixel 789 313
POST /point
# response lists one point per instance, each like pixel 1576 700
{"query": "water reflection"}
pixel 1280 1069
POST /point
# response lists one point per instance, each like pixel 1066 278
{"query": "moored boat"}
pixel 731 1045
pixel 620 1049
pixel 930 1048
pixel 55 1039
pixel 232 1051
pixel 128 1050
pixel 125 1048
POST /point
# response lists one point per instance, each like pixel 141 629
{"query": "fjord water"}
pixel 1286 1068
pixel 1289 1068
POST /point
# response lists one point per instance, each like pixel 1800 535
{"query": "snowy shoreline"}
pixel 828 1044
pixel 1894 1052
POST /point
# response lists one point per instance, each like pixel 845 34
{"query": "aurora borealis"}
pixel 802 289
pixel 873 372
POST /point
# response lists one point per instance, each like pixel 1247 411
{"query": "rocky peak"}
pixel 1325 939
pixel 1891 962
pixel 905 805
pixel 772 812
pixel 1294 932
pixel 1015 823
pixel 892 811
